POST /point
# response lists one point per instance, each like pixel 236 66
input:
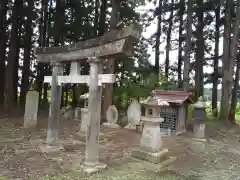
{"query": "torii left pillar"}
pixel 52 143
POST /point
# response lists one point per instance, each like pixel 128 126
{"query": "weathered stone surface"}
pixel 155 157
pixel 151 139
pixel 81 79
pixel 91 168
pixel 112 117
pixel 119 47
pixel 130 126
pixel 132 31
pixel 84 120
pixel 111 125
pixel 112 114
pixel 31 109
pixel 134 113
pixel 54 114
pixel 77 114
pixel 93 131
pixel 50 149
pixel 199 131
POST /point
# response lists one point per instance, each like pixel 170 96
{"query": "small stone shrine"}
pixel 170 105
pixel 151 141
pixel 199 119
pixel 112 117
pixel 31 109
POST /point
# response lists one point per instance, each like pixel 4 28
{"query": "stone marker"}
pixel 199 119
pixel 133 115
pixel 76 114
pixel 112 117
pixel 31 109
pixel 151 141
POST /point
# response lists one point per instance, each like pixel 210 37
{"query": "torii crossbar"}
pixel 117 42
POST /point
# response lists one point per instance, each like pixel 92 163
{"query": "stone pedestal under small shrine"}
pixel 151 141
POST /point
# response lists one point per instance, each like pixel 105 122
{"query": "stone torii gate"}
pixel 115 43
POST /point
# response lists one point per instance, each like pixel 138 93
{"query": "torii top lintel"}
pixel 116 42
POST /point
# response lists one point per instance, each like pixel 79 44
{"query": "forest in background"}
pixel 26 24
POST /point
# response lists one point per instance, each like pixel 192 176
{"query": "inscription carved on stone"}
pixel 134 113
pixel 31 109
pixel 151 139
pixel 112 114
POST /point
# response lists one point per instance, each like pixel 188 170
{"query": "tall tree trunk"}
pixel 27 52
pixel 102 19
pixel 3 14
pixel 43 26
pixel 108 88
pixel 47 68
pixel 234 95
pixel 58 38
pixel 180 41
pixel 188 47
pixel 168 46
pixel 158 36
pixel 199 51
pixel 13 49
pixel 16 62
pixel 216 59
pixel 229 56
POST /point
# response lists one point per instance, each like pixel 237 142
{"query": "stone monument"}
pixel 115 43
pixel 112 117
pixel 199 119
pixel 133 115
pixel 31 109
pixel 77 114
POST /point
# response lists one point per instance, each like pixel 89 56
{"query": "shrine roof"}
pixel 162 98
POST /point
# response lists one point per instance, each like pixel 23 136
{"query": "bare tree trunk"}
pixel 180 49
pixel 27 52
pixel 43 26
pixel 108 88
pixel 233 106
pixel 216 59
pixel 12 55
pixel 188 47
pixel 3 14
pixel 229 58
pixel 158 36
pixel 168 46
pixel 199 52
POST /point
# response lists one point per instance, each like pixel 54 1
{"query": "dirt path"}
pixel 20 158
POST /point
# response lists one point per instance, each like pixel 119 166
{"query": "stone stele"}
pixel 112 117
pixel 31 109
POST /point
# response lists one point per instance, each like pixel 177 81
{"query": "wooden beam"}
pixel 119 47
pixel 82 79
pixel 133 31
